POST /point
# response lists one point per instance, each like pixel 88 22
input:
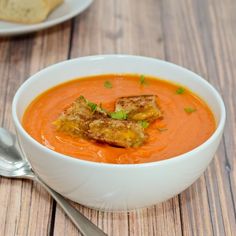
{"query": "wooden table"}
pixel 197 34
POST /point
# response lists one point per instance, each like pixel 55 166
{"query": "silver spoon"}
pixel 14 165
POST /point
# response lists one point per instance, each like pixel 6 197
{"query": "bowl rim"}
pixel 173 159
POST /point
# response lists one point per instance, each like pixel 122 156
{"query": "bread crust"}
pixel 139 108
pixel 76 118
pixel 120 133
pixel 27 11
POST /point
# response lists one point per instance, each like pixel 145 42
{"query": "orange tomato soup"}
pixel 187 120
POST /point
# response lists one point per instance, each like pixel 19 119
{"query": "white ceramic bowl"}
pixel 112 186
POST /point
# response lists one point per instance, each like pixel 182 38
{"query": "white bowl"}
pixel 112 186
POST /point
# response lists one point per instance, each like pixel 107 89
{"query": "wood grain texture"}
pixel 199 35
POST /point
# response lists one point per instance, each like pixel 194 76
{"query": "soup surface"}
pixel 186 123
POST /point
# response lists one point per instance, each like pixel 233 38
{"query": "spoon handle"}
pixel 86 227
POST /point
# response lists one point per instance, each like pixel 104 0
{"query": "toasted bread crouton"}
pixel 121 133
pixel 75 119
pixel 138 108
pixel 27 11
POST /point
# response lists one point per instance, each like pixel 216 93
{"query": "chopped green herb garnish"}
pixel 144 123
pixel 180 90
pixel 92 105
pixel 107 84
pixel 142 80
pixel 189 109
pixel 119 115
pixel 162 129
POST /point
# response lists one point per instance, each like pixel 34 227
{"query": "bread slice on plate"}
pixel 27 11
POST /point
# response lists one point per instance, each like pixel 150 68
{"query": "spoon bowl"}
pixel 12 163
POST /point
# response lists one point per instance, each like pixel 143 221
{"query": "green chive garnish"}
pixel 92 105
pixel 119 115
pixel 189 109
pixel 107 84
pixel 180 90
pixel 142 80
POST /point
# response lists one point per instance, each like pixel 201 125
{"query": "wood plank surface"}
pixel 199 35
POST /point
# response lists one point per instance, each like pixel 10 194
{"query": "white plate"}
pixel 67 10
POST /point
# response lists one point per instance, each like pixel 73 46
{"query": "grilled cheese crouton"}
pixel 75 119
pixel 139 108
pixel 121 133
